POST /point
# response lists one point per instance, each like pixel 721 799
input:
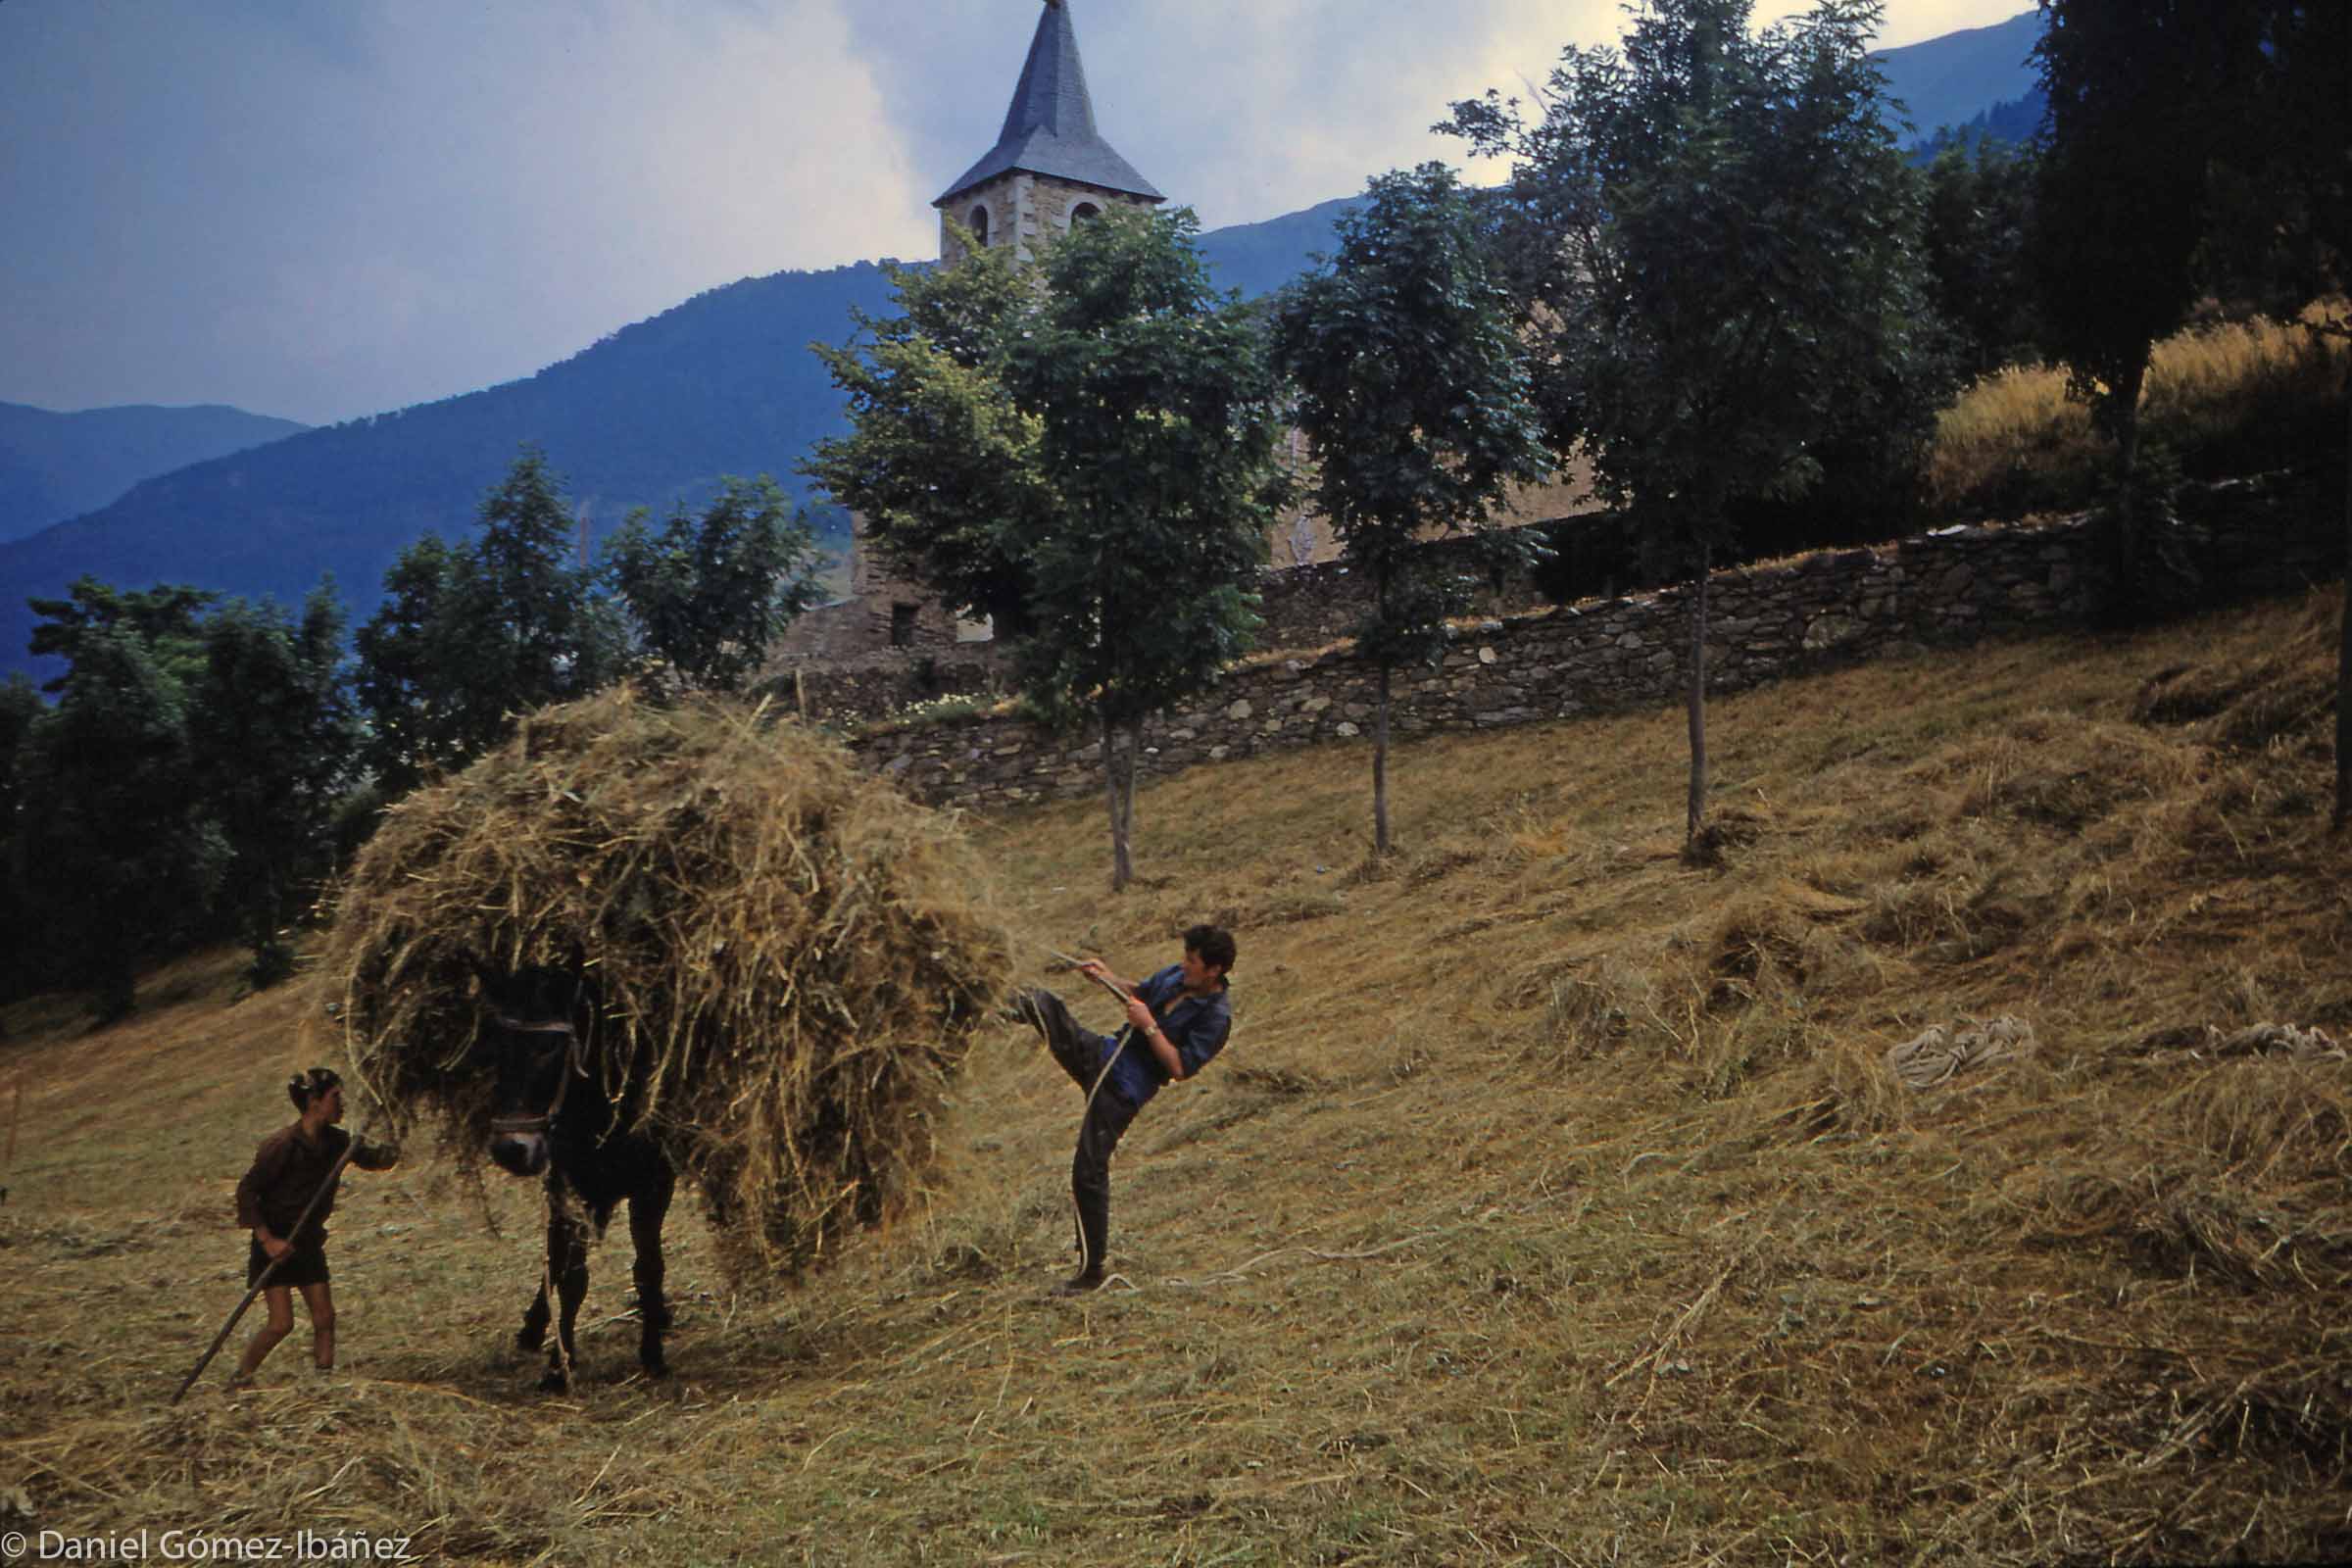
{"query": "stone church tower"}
pixel 1050 169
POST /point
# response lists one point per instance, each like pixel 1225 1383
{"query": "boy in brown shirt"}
pixel 289 1169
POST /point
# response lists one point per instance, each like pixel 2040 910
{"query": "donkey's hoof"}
pixel 556 1380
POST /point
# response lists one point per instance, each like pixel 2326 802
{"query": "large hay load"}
pixel 786 958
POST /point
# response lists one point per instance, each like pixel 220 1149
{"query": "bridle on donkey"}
pixel 544 1121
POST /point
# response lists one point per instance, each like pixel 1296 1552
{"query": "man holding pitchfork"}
pixel 1176 1021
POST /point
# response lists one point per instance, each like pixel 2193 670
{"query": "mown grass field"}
pixel 1554 1202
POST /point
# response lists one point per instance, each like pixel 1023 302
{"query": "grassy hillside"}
pixel 1554 1204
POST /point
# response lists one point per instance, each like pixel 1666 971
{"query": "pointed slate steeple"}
pixel 1050 126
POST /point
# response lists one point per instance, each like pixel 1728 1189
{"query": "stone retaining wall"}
pixel 1953 586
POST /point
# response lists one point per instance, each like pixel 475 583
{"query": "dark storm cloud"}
pixel 321 208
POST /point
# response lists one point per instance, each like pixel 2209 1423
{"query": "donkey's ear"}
pixel 498 989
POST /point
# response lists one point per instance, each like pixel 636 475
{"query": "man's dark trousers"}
pixel 1081 1053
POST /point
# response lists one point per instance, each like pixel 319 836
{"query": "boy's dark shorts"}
pixel 305 1265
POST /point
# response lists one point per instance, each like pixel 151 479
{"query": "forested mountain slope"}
pixel 57 465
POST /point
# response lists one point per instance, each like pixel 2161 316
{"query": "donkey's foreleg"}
pixel 646 1209
pixel 568 1267
pixel 533 1333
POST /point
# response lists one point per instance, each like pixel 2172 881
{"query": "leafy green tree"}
pixel 2121 210
pixel 274 741
pixel 403 680
pixel 1714 242
pixel 1413 390
pixel 1083 452
pixel 541 632
pixel 1159 416
pixel 941 462
pixel 471 635
pixel 166 618
pixel 117 840
pixel 2289 135
pixel 1978 206
pixel 2310 47
pixel 708 594
pixel 20 709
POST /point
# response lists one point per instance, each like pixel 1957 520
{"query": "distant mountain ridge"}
pixel 652 415
pixel 57 465
pixel 1949 79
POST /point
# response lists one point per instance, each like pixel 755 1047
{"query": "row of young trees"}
pixel 205 763
pixel 1710 273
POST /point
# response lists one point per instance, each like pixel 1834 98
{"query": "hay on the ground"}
pixel 2239 1173
pixel 2286 695
pixel 787 958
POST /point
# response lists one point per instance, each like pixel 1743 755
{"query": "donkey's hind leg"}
pixel 647 1207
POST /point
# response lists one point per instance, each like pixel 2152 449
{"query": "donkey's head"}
pixel 533 1032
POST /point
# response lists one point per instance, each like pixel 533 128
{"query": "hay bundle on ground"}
pixel 786 957
pixel 2287 694
pixel 2240 1173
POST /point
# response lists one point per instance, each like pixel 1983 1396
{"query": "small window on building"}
pixel 1084 213
pixel 979 225
pixel 902 625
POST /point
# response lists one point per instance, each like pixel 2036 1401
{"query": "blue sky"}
pixel 320 209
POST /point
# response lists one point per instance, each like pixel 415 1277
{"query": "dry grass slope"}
pixel 1554 1203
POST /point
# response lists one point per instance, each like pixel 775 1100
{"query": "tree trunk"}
pixel 2123 544
pixel 2343 651
pixel 1120 867
pixel 1698 813
pixel 1135 765
pixel 1380 768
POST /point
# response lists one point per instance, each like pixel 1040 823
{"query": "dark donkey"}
pixel 551 1114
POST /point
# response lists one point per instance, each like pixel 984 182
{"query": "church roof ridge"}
pixel 1049 126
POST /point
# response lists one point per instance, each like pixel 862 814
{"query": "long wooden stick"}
pixel 1126 1033
pixel 319 1196
pixel 1101 980
pixel 16 1119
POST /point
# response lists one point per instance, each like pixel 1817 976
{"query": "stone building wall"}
pixel 1764 622
pixel 871 685
pixel 1024 210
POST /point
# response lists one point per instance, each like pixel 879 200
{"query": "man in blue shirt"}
pixel 1176 1021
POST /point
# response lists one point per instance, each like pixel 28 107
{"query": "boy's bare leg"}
pixel 280 1300
pixel 320 1299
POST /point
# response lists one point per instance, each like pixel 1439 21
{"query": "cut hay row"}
pixel 787 958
